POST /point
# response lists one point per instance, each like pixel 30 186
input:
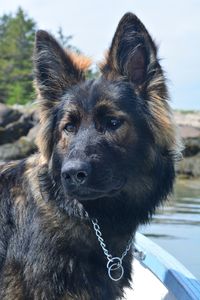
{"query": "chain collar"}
pixel 114 265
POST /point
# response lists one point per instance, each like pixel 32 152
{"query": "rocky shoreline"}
pixel 19 127
pixel 189 129
pixel 16 125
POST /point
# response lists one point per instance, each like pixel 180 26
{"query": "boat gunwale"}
pixel 176 278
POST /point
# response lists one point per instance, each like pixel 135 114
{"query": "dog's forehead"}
pixel 99 93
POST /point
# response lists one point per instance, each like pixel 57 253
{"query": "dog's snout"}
pixel 76 172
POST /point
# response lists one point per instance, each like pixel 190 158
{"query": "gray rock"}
pixel 189 167
pixel 15 130
pixel 8 115
pixel 192 146
pixel 188 131
pixel 17 150
pixel 33 132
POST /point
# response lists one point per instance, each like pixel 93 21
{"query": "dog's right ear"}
pixel 54 70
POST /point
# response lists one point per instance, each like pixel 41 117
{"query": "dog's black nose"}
pixel 76 172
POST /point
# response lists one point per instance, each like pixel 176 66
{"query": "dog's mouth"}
pixel 91 193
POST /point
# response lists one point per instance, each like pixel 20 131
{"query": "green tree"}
pixel 17 35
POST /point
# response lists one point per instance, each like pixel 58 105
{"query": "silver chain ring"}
pixel 114 263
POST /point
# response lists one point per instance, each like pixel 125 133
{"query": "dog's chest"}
pixel 59 259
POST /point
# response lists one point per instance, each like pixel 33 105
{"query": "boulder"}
pixel 8 115
pixel 192 146
pixel 33 132
pixel 15 130
pixel 189 167
pixel 17 150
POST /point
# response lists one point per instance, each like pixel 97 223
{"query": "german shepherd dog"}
pixel 107 149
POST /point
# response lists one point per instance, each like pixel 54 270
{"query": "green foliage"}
pixel 92 73
pixel 17 35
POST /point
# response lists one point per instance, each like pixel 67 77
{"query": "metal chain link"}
pixel 114 263
pixel 100 239
pixel 128 247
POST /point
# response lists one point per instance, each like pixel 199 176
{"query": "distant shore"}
pixel 189 129
pixel 188 122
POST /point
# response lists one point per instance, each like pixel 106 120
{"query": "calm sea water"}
pixel 176 227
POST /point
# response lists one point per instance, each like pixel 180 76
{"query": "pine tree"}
pixel 16 46
pixel 17 35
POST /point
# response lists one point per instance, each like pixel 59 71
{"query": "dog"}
pixel 106 160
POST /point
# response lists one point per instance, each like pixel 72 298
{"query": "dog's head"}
pixel 111 135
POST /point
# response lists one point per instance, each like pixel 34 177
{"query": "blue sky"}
pixel 175 26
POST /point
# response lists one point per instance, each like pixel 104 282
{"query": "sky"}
pixel 174 25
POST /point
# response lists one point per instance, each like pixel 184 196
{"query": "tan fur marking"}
pixel 81 61
pixel 16 194
pixel 164 126
pixel 13 282
pixel 63 142
pixel 6 166
pixel 72 111
pixel 32 176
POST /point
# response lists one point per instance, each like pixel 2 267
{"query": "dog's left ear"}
pixel 131 53
pixel 133 57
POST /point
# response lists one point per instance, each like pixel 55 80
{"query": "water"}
pixel 176 227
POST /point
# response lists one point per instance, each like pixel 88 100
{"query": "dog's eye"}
pixel 70 127
pixel 113 123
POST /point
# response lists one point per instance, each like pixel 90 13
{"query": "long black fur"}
pixel 116 135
